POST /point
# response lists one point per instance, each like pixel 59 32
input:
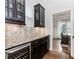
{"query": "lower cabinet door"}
pixel 43 49
pixel 35 53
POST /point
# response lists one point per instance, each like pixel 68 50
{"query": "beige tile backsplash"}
pixel 18 34
pixel 14 34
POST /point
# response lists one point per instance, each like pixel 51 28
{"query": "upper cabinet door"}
pixel 15 11
pixel 39 16
pixel 9 9
pixel 42 16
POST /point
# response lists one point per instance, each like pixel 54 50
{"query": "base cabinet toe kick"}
pixel 33 50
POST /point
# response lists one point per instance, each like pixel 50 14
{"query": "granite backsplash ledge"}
pixel 18 34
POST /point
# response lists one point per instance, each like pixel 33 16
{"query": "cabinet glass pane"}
pixel 21 18
pixel 22 15
pixel 22 9
pixel 10 4
pixel 22 2
pixel 6 3
pixel 18 7
pixel 42 16
pixel 41 22
pixel 18 1
pixel 10 13
pixel 6 12
pixel 41 13
pixel 37 16
pixel 18 17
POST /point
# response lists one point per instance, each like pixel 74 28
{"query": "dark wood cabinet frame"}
pixel 37 22
pixel 14 20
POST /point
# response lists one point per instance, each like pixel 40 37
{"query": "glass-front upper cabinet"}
pixel 15 11
pixel 39 16
pixel 8 9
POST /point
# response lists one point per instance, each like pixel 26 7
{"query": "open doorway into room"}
pixel 62 32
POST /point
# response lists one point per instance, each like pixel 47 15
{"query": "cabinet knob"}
pixel 73 37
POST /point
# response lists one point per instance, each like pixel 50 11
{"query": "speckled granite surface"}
pixel 18 34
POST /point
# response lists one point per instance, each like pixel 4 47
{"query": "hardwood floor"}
pixel 56 55
pixel 58 52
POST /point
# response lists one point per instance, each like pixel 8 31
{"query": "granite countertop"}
pixel 12 49
pixel 15 42
pixel 27 41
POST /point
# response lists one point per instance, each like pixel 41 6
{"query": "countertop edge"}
pixel 25 43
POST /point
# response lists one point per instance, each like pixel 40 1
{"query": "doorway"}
pixel 62 32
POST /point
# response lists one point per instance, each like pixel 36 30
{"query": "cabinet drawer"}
pixel 35 43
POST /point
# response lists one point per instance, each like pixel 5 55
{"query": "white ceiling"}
pixel 56 5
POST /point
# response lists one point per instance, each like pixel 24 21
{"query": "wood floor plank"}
pixel 58 53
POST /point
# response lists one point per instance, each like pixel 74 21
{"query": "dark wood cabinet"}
pixel 39 16
pixel 39 47
pixel 15 11
pixel 35 53
pixel 35 49
pixel 43 47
